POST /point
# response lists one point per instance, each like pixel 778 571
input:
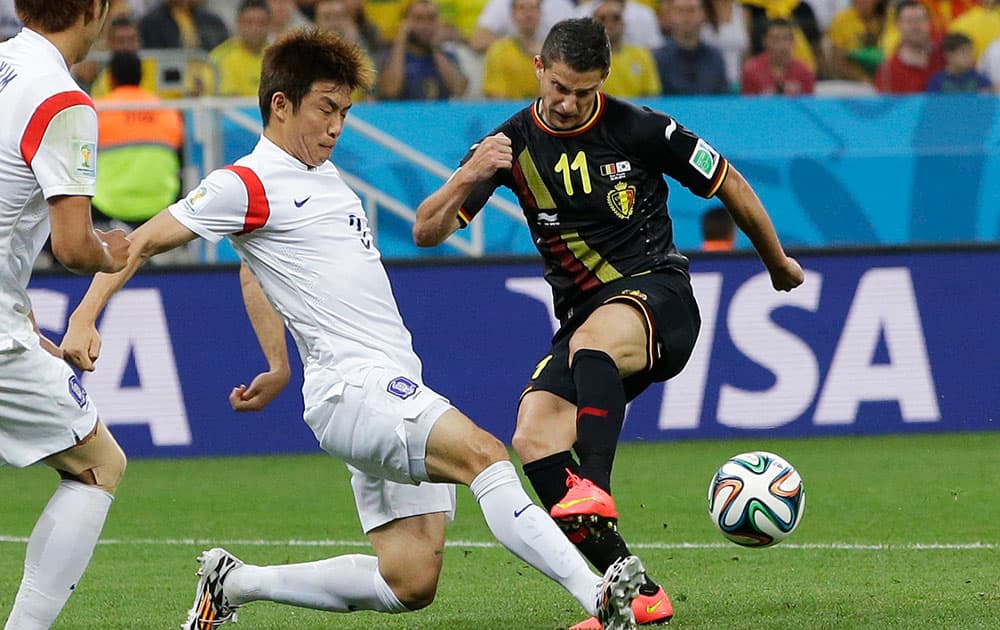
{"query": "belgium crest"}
pixel 621 200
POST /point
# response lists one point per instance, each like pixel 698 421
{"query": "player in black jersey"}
pixel 588 172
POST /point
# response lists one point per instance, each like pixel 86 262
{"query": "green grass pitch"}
pixel 899 532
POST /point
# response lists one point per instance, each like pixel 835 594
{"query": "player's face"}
pixel 313 130
pixel 567 95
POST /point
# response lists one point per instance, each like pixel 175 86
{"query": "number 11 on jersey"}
pixel 563 166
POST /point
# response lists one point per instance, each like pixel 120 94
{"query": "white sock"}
pixel 530 534
pixel 340 584
pixel 59 550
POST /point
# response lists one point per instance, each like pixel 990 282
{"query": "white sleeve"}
pixel 66 160
pixel 216 208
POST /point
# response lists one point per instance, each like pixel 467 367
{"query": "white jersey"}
pixel 48 147
pixel 304 235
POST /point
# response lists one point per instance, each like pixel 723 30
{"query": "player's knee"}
pixel 416 589
pixel 485 449
pixel 107 471
pixel 528 445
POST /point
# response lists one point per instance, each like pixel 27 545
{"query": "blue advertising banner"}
pixel 832 171
pixel 871 343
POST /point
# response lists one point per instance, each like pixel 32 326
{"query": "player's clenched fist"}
pixel 788 276
pixel 81 345
pixel 116 244
pixel 492 154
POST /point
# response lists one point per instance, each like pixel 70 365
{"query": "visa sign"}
pixel 134 335
pixel 883 318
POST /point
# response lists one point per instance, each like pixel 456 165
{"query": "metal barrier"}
pixel 203 152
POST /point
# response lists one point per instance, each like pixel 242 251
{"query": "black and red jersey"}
pixel 595 198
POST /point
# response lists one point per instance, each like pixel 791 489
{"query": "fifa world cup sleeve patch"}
pixel 705 159
pixel 84 159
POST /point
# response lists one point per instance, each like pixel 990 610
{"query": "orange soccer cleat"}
pixel 648 609
pixel 584 500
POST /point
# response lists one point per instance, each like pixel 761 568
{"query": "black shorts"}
pixel 667 303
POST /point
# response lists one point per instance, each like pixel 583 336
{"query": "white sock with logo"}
pixel 341 584
pixel 530 533
pixel 58 552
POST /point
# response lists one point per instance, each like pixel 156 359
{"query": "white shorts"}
pixel 43 407
pixel 380 429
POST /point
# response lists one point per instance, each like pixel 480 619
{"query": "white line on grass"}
pixel 178 542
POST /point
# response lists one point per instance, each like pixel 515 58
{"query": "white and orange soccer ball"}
pixel 756 499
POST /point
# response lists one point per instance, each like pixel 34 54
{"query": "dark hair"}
pixel 955 41
pixel 54 17
pixel 717 224
pixel 301 57
pixel 780 23
pixel 253 4
pixel 120 21
pixel 580 43
pixel 905 4
pixel 125 69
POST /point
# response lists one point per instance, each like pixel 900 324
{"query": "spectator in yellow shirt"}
pixel 633 71
pixel 855 34
pixel 509 60
pixel 239 58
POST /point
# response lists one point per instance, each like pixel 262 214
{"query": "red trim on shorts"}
pixel 39 122
pixel 258 207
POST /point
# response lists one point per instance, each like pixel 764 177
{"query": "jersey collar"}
pixel 37 40
pixel 599 107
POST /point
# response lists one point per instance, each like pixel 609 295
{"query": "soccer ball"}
pixel 756 499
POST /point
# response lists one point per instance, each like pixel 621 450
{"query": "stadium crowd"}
pixel 476 49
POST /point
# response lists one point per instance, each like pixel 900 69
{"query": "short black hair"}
pixel 301 57
pixel 906 4
pixel 580 43
pixel 955 41
pixel 717 224
pixel 125 69
pixel 253 4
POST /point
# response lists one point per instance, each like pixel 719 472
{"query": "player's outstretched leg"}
pixel 211 607
pixel 540 417
pixel 341 584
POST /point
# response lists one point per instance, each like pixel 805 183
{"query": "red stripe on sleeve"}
pixel 39 123
pixel 258 208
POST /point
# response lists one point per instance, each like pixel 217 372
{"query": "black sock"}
pixel 548 477
pixel 603 550
pixel 600 403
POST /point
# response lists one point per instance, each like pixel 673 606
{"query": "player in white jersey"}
pixel 48 140
pixel 309 263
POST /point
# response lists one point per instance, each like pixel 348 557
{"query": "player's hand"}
pixel 263 389
pixel 788 275
pixel 81 345
pixel 117 245
pixel 492 154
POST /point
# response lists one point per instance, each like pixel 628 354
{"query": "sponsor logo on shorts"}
pixel 402 387
pixel 636 293
pixel 77 391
